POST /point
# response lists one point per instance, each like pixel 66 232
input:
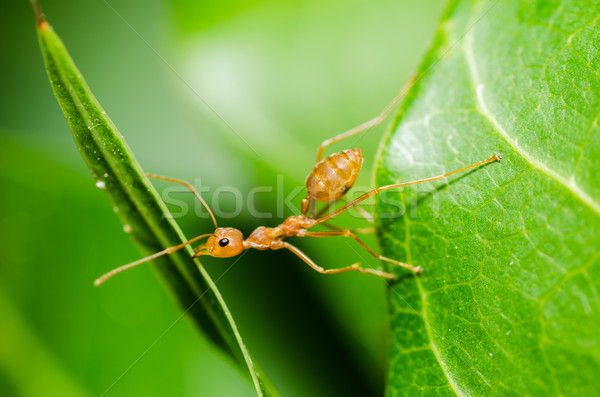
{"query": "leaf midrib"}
pixel 482 108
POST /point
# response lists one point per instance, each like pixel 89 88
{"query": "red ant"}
pixel 328 182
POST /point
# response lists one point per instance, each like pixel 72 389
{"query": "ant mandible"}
pixel 328 182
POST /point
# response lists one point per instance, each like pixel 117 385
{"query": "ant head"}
pixel 224 243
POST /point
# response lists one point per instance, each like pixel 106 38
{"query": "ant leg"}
pixel 166 251
pixel 352 268
pixel 309 204
pixel 189 186
pixel 364 213
pixel 326 208
pixel 362 230
pixel 371 123
pixel 348 233
pixel 495 157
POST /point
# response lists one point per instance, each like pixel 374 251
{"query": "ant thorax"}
pixel 260 238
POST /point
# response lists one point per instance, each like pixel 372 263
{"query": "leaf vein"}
pixel 483 109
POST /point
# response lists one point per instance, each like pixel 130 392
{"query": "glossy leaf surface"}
pixel 508 301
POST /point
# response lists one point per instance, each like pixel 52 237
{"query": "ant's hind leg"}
pixel 352 268
pixel 365 214
pixel 371 123
pixel 348 233
pixel 361 211
pixel 362 230
pixel 353 203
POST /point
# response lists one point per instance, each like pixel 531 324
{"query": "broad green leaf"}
pixel 508 303
pixel 138 204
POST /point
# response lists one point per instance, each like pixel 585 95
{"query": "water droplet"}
pixel 116 209
pixel 100 185
pixel 106 175
pixel 127 228
pixel 511 262
pixel 491 354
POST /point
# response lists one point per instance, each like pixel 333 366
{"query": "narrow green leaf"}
pixel 508 302
pixel 138 205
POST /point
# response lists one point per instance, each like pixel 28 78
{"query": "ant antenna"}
pixel 169 250
pixel 193 190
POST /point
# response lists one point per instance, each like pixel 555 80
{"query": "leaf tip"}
pixel 39 15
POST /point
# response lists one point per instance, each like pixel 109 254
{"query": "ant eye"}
pixel 223 242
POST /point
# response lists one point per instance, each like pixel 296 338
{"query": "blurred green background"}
pixel 282 77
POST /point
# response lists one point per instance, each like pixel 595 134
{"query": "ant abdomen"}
pixel 333 176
